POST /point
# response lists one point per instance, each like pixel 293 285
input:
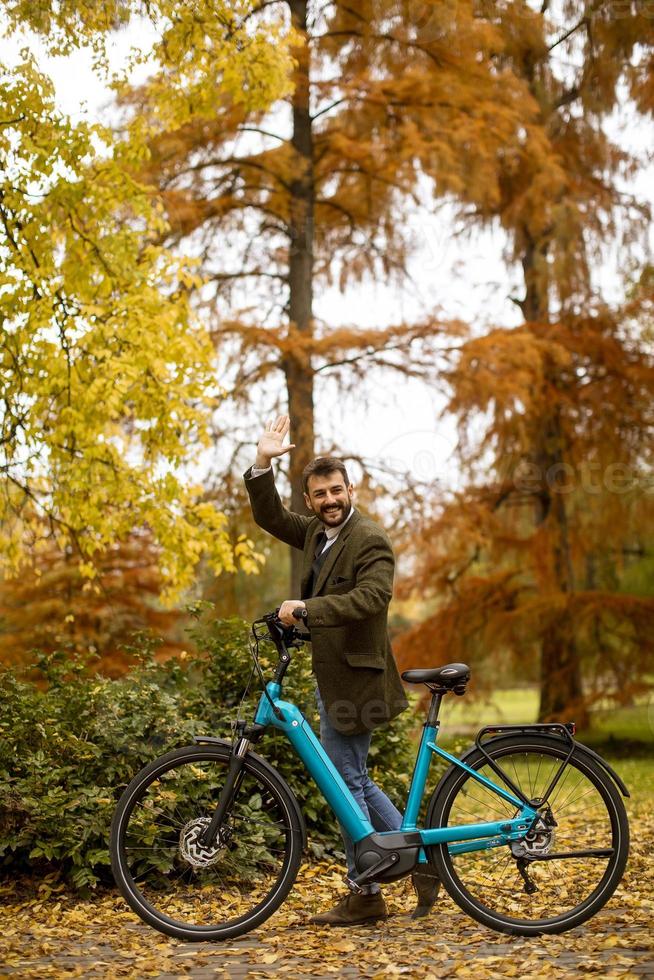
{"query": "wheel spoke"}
pixel 581 823
pixel 168 874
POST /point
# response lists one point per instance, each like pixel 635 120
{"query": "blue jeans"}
pixel 348 754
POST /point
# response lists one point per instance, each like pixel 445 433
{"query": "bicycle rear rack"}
pixel 558 729
pixel 563 730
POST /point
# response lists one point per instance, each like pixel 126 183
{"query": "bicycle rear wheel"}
pixel 569 867
pixel 184 889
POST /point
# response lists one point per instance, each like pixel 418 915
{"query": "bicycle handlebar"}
pixel 280 632
pixel 284 637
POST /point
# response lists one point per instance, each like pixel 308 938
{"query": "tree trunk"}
pixel 296 365
pixel 561 693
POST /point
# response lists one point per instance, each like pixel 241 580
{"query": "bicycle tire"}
pixel 165 875
pixel 495 894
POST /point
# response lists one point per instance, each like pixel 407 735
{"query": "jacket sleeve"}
pixel 269 512
pixel 371 593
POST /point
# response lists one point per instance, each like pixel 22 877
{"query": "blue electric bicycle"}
pixel 528 830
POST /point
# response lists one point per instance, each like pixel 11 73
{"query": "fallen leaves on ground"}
pixel 48 932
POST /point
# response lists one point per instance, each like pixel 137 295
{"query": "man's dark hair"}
pixel 321 466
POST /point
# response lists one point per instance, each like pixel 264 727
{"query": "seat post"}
pixel 434 707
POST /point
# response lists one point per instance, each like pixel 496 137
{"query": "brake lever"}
pixel 289 636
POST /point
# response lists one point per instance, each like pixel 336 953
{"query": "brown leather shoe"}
pixel 352 910
pixel 427 885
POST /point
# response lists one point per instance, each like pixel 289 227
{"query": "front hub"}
pixel 195 853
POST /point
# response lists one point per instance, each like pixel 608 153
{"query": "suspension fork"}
pixel 227 794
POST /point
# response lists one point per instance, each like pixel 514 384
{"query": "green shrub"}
pixel 68 750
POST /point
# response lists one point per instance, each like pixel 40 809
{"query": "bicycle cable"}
pixel 254 652
pixel 246 690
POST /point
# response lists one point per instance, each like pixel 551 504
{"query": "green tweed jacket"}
pixel 347 614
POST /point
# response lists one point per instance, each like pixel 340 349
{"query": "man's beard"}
pixel 339 509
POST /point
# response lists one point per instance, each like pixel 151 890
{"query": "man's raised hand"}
pixel 270 443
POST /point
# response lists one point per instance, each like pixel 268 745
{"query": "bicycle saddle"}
pixel 448 676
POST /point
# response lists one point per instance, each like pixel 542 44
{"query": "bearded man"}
pixel 347 585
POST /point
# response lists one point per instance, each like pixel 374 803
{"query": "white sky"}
pixel 464 278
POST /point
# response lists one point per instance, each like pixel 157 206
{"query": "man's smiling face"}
pixel 329 498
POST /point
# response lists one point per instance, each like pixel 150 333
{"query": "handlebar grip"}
pixel 299 613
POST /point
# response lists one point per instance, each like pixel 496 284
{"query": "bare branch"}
pixel 564 37
pixel 220 276
pixel 567 97
pixel 12 122
pixel 378 352
pixel 263 132
pixel 339 208
pixel 349 10
pixel 402 42
pixel 261 6
pixel 234 162
pixel 327 108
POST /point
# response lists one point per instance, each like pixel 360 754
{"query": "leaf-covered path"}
pixel 54 935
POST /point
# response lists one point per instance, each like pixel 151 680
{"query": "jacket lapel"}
pixel 307 559
pixel 334 552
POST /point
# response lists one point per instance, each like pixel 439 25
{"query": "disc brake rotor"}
pixel 541 837
pixel 192 851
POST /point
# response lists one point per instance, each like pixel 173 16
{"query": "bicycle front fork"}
pixel 227 794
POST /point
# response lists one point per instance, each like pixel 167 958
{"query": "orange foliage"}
pixel 530 557
pixel 504 565
pixel 501 105
pixel 51 607
pixel 385 93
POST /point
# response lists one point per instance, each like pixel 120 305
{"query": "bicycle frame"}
pixel 471 837
pixel 221 821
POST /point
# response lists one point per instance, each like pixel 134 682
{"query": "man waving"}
pixel 347 584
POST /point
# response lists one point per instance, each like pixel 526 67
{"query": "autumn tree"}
pixel 51 606
pixel 280 204
pixel 530 562
pixel 107 376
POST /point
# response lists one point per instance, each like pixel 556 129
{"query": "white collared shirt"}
pixel 333 532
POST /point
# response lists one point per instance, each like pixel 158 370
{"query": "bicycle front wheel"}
pixel 189 891
pixel 564 871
